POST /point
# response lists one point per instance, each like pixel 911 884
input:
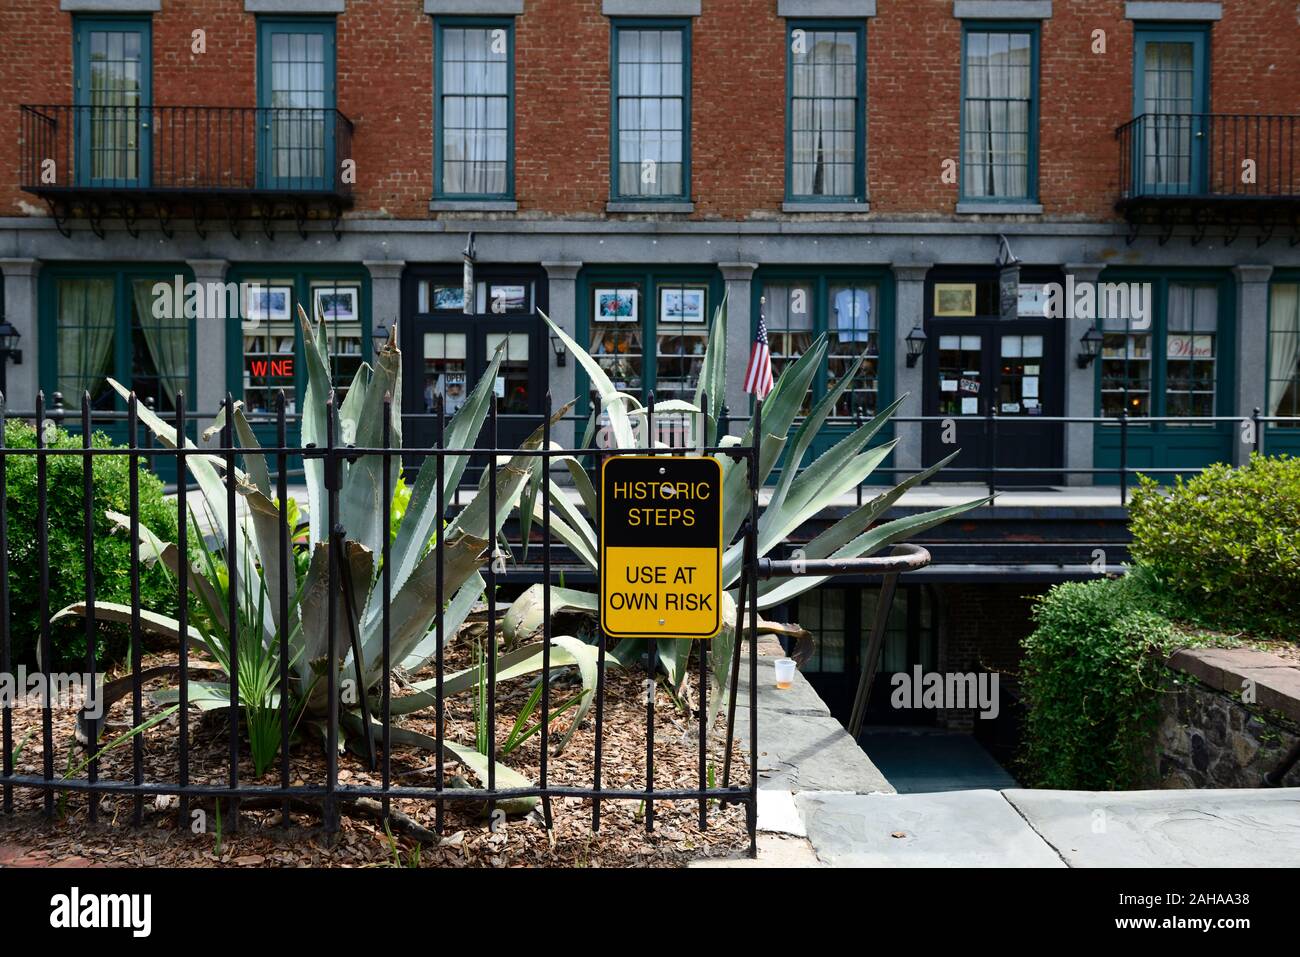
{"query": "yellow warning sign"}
pixel 661 547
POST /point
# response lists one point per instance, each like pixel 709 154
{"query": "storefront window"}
pixel 799 309
pixel 616 336
pixel 1284 353
pixel 104 321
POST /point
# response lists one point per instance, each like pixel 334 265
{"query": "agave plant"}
pixel 252 546
pixel 798 495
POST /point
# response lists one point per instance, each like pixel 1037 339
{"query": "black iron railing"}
pixel 185 149
pixel 1209 156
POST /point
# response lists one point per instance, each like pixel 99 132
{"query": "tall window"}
pixel 1125 367
pixel 113 88
pixel 651 91
pixel 825 132
pixel 1190 339
pixel 297 98
pixel 475 109
pixel 999 113
pixel 1284 352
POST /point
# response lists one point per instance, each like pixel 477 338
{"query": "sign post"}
pixel 661 547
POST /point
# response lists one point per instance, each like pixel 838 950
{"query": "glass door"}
pixel 1170 94
pixel 296 105
pixel 112 103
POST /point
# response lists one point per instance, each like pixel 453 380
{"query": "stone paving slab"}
pixel 1201 828
pixel 950 829
pixel 800 746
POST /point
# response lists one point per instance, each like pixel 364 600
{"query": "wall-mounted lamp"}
pixel 380 334
pixel 9 337
pixel 916 340
pixel 561 355
pixel 1090 347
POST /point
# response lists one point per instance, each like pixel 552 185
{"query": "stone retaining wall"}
pixel 1231 717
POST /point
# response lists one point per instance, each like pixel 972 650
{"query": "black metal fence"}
pixel 185 149
pixel 341 628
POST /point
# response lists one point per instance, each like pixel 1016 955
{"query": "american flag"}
pixel 758 377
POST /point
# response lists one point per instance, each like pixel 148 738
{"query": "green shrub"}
pixel 1226 543
pixel 65 511
pixel 1092 674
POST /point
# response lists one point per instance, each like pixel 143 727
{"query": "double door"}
pixel 994 382
pixel 445 358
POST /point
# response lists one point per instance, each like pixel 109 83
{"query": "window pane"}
pixel 788 311
pixel 475 111
pixel 650 70
pixel 1284 352
pixel 995 115
pixel 853 329
pixel 824 109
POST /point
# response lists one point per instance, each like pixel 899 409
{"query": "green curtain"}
pixel 168 340
pixel 84 336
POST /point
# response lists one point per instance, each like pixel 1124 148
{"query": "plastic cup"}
pixel 784 673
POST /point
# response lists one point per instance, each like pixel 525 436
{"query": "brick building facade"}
pixel 850 167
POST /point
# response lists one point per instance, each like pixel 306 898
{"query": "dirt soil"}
pixel 28 838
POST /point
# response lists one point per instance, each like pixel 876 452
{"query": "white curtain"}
pixel 85 335
pixel 1284 344
pixel 167 340
pixel 1167 92
pixel 474 123
pixel 999 88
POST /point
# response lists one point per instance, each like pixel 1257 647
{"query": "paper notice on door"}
pixel 1011 407
pixel 948 385
pixel 499 387
pixel 970 405
pixel 1029 387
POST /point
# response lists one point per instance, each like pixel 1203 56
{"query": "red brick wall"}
pixel 385 69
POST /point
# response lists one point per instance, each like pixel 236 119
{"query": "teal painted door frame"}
pixel 83 30
pixel 1198 37
pixel 267 29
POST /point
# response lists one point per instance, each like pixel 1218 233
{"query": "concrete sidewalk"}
pixel 1023 828
pixel 823 803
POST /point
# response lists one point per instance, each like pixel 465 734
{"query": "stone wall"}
pixel 1213 735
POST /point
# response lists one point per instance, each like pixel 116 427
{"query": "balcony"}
pixel 1202 169
pixel 204 163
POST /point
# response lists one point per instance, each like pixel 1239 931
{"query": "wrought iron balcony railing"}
pixel 124 155
pixel 1210 156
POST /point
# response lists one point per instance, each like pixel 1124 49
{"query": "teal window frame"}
pixel 648 278
pixel 683 25
pixel 1278 438
pixel 1199 36
pixel 300 276
pixel 82 27
pixel 1174 445
pixel 859 194
pixel 123 275
pixel 440 25
pixel 1034 29
pixel 326 28
pixel 821 280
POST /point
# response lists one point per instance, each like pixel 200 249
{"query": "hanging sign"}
pixel 661 547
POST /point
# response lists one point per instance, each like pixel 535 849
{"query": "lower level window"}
pixel 1284 353
pixel 115 326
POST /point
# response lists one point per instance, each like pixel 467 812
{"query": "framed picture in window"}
pixel 268 303
pixel 954 299
pixel 507 298
pixel 617 305
pixel 449 298
pixel 681 303
pixel 336 304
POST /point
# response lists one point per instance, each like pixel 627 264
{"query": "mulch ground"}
pixel 265 839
